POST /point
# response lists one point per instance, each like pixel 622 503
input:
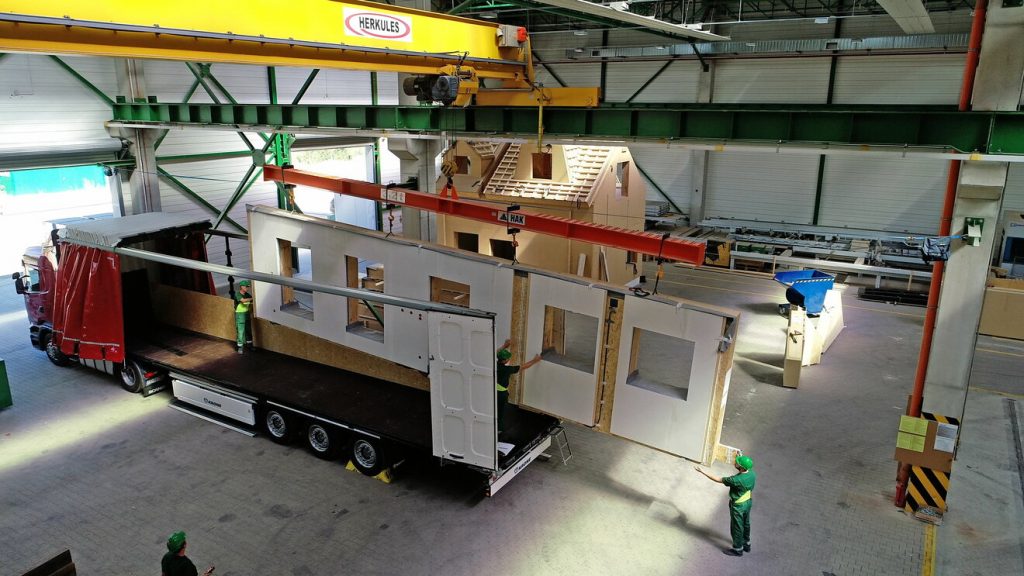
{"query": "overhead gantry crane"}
pixel 450 57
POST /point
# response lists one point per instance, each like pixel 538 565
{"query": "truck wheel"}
pixel 367 456
pixel 53 353
pixel 133 377
pixel 279 425
pixel 324 442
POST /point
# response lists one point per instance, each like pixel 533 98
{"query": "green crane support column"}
pixel 281 147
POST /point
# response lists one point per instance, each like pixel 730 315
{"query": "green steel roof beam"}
pixel 920 126
pixel 243 187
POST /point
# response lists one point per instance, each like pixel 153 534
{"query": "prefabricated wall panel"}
pixel 682 427
pixel 407 271
pixel 650 417
pixel 761 186
pixel 883 193
pixel 551 387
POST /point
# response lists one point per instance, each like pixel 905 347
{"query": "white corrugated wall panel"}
pixel 774 80
pixel 883 193
pixel 776 30
pixel 761 186
pixel 931 79
pixel 671 169
pixel 571 74
pixel 45 107
pixel 1013 197
pixel 678 83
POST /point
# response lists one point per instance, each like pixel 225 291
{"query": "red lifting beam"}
pixel 642 242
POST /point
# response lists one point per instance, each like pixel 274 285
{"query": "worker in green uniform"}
pixel 504 375
pixel 174 562
pixel 741 485
pixel 243 322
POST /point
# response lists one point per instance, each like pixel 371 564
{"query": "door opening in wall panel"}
pixel 295 261
pixel 365 318
pixel 570 339
pixel 449 292
pixel 621 179
pixel 660 363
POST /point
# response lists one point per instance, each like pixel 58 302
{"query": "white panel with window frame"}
pixel 666 375
pixel 296 261
pixel 564 327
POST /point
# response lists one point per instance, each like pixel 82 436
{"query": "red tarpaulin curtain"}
pixel 87 314
pixel 193 247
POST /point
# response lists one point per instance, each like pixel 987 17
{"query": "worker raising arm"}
pixel 741 486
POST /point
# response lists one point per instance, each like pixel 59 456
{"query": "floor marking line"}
pixel 1003 352
pixel 996 392
pixel 928 562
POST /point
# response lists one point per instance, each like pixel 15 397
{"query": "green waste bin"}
pixel 5 387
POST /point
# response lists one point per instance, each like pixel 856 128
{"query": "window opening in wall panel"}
pixel 295 261
pixel 570 339
pixel 449 292
pixel 622 179
pixel 365 318
pixel 660 363
pixel 467 241
pixel 503 249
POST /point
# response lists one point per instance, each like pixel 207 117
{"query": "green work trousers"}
pixel 243 328
pixel 502 406
pixel 739 524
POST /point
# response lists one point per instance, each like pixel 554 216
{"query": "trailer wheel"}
pixel 53 353
pixel 133 377
pixel 324 442
pixel 279 425
pixel 367 456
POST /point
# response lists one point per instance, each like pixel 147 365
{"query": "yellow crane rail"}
pixel 350 34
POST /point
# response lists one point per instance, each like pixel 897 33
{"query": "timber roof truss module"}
pixel 584 166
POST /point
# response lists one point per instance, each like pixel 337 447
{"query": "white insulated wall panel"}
pixel 931 79
pixel 678 83
pixel 776 30
pixel 1013 197
pixel 551 387
pixel 771 80
pixel 883 193
pixel 762 186
pixel 44 108
pixel 671 169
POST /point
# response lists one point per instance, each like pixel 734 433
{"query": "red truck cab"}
pixel 36 282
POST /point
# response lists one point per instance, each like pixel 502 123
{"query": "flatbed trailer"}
pixel 390 417
pixel 103 316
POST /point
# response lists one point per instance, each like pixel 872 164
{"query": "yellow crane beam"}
pixel 351 34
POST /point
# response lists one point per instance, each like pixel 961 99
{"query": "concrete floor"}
pixel 109 475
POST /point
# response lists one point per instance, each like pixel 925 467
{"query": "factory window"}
pixel 570 339
pixel 467 241
pixel 503 249
pixel 365 318
pixel 295 261
pixel 622 179
pixel 660 363
pixel 449 292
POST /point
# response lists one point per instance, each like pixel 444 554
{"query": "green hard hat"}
pixel 176 541
pixel 745 462
pixel 245 283
pixel 504 354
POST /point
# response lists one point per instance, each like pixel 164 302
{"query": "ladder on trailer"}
pixel 562 442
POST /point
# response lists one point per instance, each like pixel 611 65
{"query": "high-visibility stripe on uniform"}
pixel 743 498
pixel 501 388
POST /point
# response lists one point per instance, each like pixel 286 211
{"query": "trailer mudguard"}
pixel 88 319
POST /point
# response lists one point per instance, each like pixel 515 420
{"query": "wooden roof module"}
pixel 584 165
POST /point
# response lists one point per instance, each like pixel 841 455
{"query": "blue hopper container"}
pixel 806 288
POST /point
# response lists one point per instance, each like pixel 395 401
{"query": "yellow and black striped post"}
pixel 928 487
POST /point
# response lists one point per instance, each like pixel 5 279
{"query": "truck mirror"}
pixel 19 286
pixel 16 275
